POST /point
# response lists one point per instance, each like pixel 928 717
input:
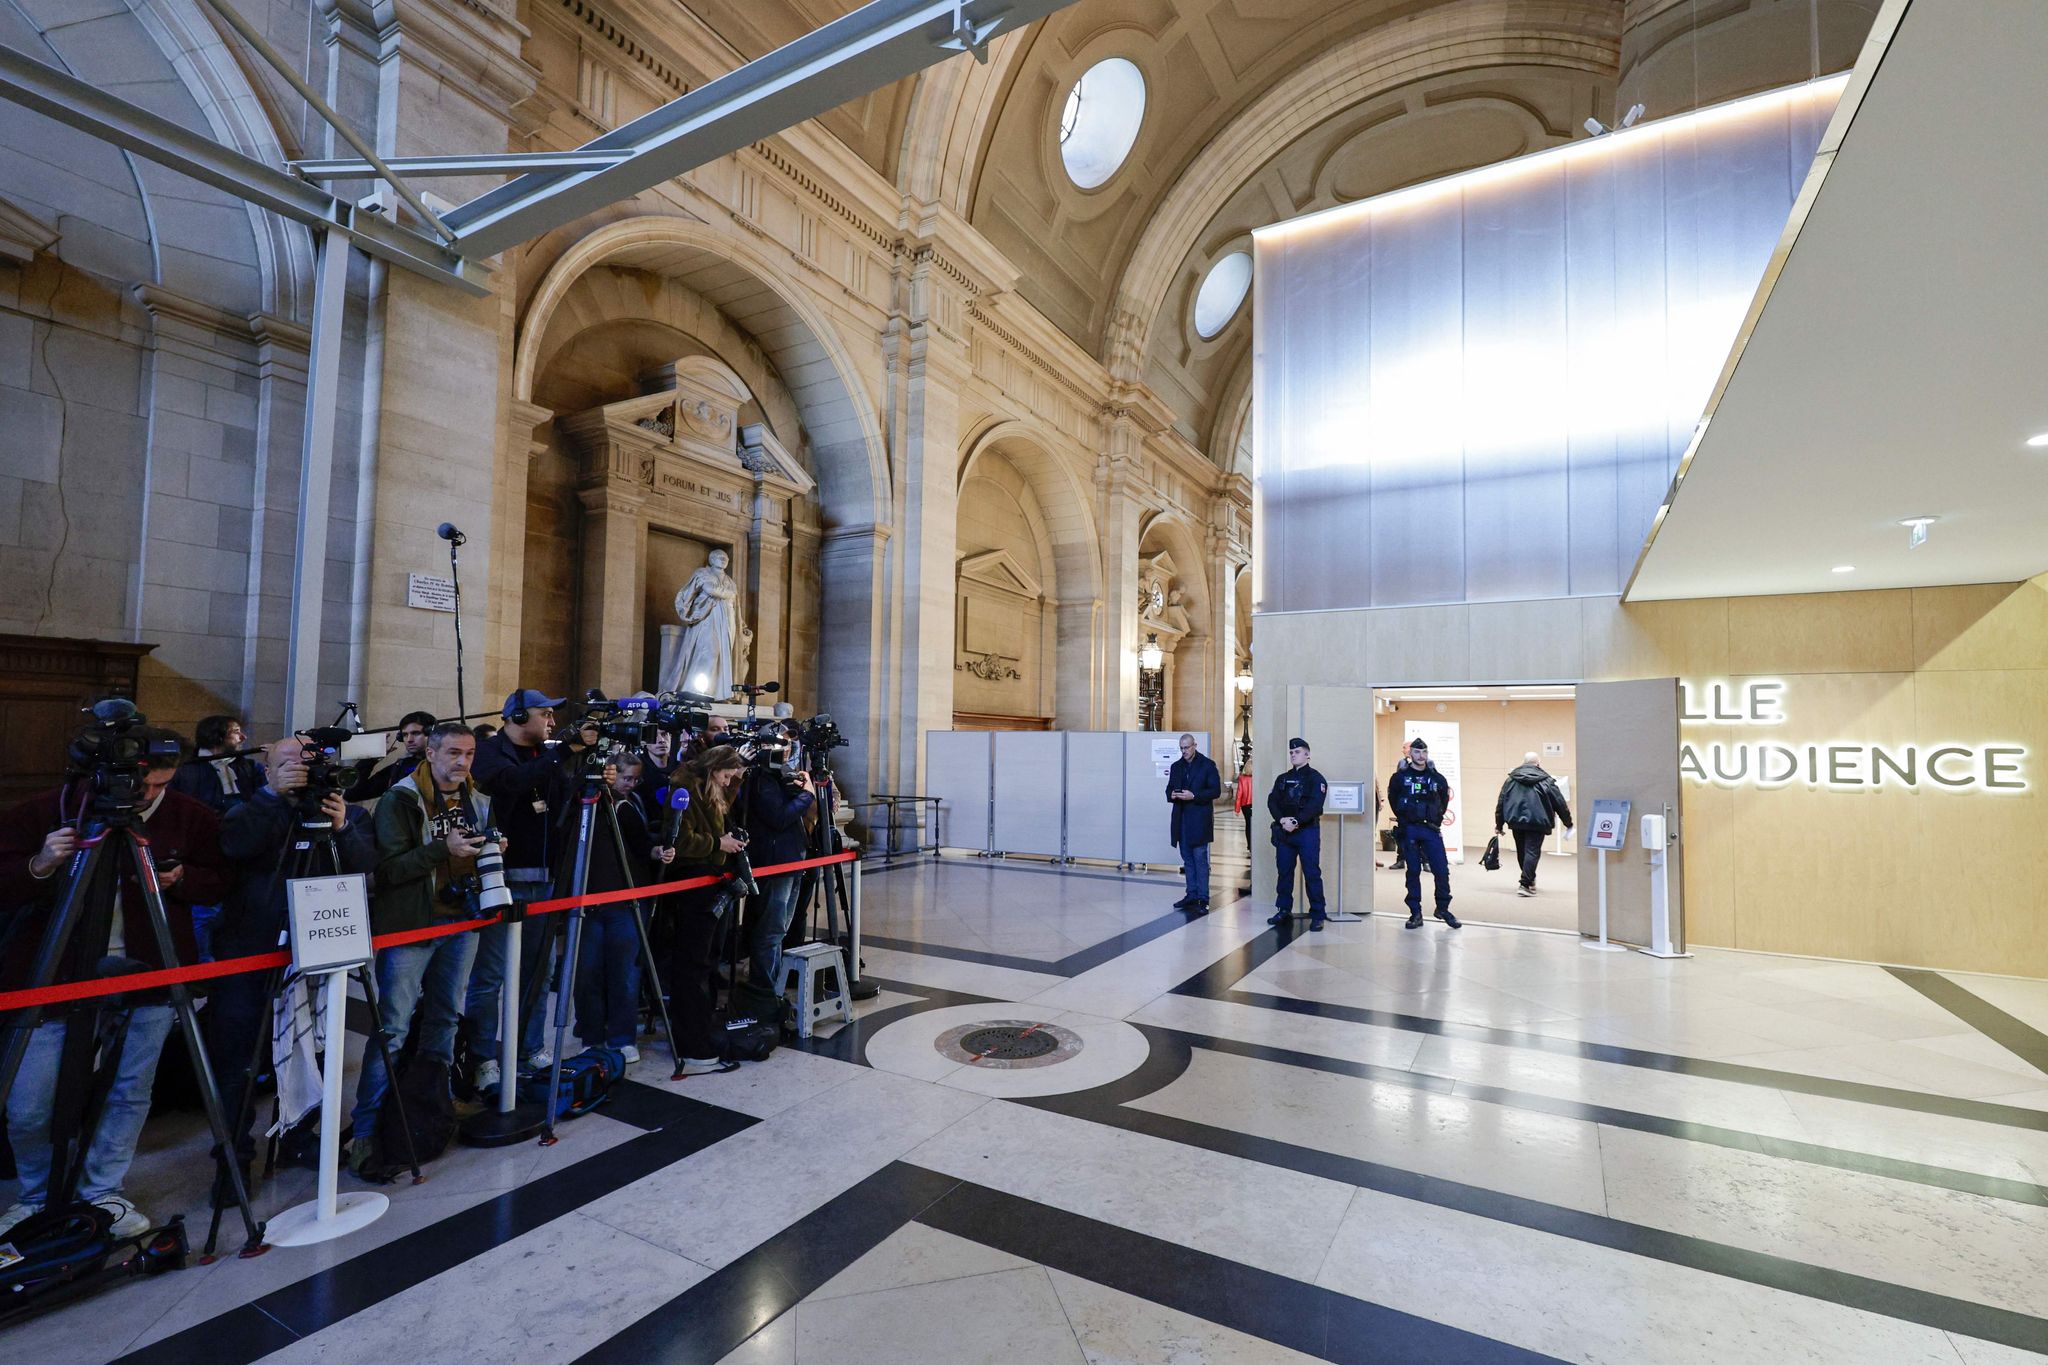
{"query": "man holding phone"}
pixel 1192 785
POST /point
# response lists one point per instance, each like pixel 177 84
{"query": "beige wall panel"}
pixel 1821 632
pixel 1710 821
pixel 1986 625
pixel 1410 645
pixel 1539 641
pixel 1337 721
pixel 1654 639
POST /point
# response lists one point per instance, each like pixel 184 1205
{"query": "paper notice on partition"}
pixel 1442 738
pixel 1165 753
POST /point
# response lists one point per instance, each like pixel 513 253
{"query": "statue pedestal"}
pixel 671 658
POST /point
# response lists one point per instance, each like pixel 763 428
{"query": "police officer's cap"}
pixel 1297 743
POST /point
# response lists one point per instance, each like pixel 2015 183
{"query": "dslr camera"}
pixel 487 884
pixel 114 748
pixel 326 774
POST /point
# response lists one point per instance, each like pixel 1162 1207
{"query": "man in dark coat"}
pixel 1296 805
pixel 1530 804
pixel 1419 795
pixel 1193 785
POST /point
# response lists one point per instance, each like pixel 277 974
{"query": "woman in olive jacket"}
pixel 702 846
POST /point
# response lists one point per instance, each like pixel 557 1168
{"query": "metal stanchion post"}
pixel 331 1214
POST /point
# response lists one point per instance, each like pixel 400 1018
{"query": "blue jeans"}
pixel 1194 866
pixel 430 976
pixel 1306 847
pixel 30 1105
pixel 1420 843
pixel 771 926
pixel 481 1006
pixel 608 978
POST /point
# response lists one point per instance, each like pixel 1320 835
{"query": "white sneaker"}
pixel 487 1076
pixel 15 1213
pixel 703 1066
pixel 630 1053
pixel 129 1221
pixel 539 1058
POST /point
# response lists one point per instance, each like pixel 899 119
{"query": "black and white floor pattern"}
pixel 1250 1145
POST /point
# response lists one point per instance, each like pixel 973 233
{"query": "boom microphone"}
pixel 447 531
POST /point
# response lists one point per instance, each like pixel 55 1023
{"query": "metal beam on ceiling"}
pixel 874 46
pixel 78 104
pixel 505 163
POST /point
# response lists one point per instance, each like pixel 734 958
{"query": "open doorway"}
pixel 1478 737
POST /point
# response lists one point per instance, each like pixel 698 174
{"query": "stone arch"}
pixel 1077 590
pixel 838 413
pixel 1459 37
pixel 1191 688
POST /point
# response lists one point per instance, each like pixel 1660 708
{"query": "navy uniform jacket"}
pixel 1418 798
pixel 1298 792
pixel 1194 822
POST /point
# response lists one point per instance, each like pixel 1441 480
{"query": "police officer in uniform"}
pixel 1418 795
pixel 1296 804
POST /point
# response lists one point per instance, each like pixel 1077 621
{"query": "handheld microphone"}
pixel 677 799
pixel 448 532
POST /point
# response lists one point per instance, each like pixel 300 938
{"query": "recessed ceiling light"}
pixel 1845 568
pixel 2038 441
pixel 1916 528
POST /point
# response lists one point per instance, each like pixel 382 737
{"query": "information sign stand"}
pixel 1610 831
pixel 330 933
pixel 1344 799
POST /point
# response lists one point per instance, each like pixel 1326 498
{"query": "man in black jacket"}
pixel 532 791
pixel 1192 785
pixel 1296 805
pixel 407 746
pixel 1418 795
pixel 254 835
pixel 775 804
pixel 1530 804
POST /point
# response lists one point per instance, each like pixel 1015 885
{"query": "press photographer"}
pixel 608 963
pixel 38 840
pixel 533 788
pixel 778 798
pixel 429 831
pixel 408 744
pixel 703 845
pixel 256 835
pixel 228 775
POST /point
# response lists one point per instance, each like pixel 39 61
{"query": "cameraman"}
pixel 534 789
pixel 608 965
pixel 426 874
pixel 228 776
pixel 254 836
pixel 37 841
pixel 777 801
pixel 703 845
pixel 403 755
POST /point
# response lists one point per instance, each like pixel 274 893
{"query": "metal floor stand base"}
pixel 301 1225
pixel 503 1127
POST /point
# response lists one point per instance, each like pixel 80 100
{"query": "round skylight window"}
pixel 1222 291
pixel 1099 124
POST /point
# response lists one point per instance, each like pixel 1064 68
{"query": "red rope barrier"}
pixel 261 962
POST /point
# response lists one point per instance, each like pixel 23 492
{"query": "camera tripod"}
pixel 596 803
pixel 309 851
pixel 828 884
pixel 91 897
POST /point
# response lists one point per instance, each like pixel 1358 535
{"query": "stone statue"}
pixel 709 659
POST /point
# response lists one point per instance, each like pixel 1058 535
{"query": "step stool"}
pixel 808 964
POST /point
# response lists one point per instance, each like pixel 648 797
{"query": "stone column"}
pixel 768 589
pixel 523 445
pixel 614 572
pixel 1117 515
pixel 852 564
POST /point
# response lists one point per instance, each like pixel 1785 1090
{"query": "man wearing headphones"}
pixel 531 789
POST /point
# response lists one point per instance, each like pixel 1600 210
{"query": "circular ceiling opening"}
pixel 1223 289
pixel 1099 124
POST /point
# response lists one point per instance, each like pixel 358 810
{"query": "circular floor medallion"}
pixel 1008 1044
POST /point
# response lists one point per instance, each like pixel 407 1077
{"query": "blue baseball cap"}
pixel 527 699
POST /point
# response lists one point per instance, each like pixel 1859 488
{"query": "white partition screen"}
pixel 957 770
pixel 1029 808
pixel 1095 795
pixel 1147 814
pixel 1479 388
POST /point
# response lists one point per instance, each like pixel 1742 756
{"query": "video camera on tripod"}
pixel 114 750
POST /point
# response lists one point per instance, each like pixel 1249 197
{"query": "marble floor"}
pixel 1076 1127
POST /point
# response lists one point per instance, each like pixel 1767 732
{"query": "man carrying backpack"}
pixel 1530 804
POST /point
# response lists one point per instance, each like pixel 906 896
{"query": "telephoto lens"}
pixel 492 894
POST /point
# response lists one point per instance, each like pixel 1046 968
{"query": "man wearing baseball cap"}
pixel 530 790
pixel 1418 795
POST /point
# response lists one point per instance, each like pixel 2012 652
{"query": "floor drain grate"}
pixel 1009 1043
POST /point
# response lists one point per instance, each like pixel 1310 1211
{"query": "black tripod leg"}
pixel 640 928
pixel 382 1041
pixel 86 865
pixel 272 985
pixel 188 1020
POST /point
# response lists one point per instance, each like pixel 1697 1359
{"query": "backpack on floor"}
pixel 586 1081
pixel 1490 860
pixel 750 1001
pixel 429 1113
pixel 749 1040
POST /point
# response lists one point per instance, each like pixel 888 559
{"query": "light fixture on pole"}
pixel 1151 659
pixel 1244 720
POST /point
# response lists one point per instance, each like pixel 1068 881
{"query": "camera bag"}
pixel 429 1113
pixel 586 1081
pixel 749 1040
